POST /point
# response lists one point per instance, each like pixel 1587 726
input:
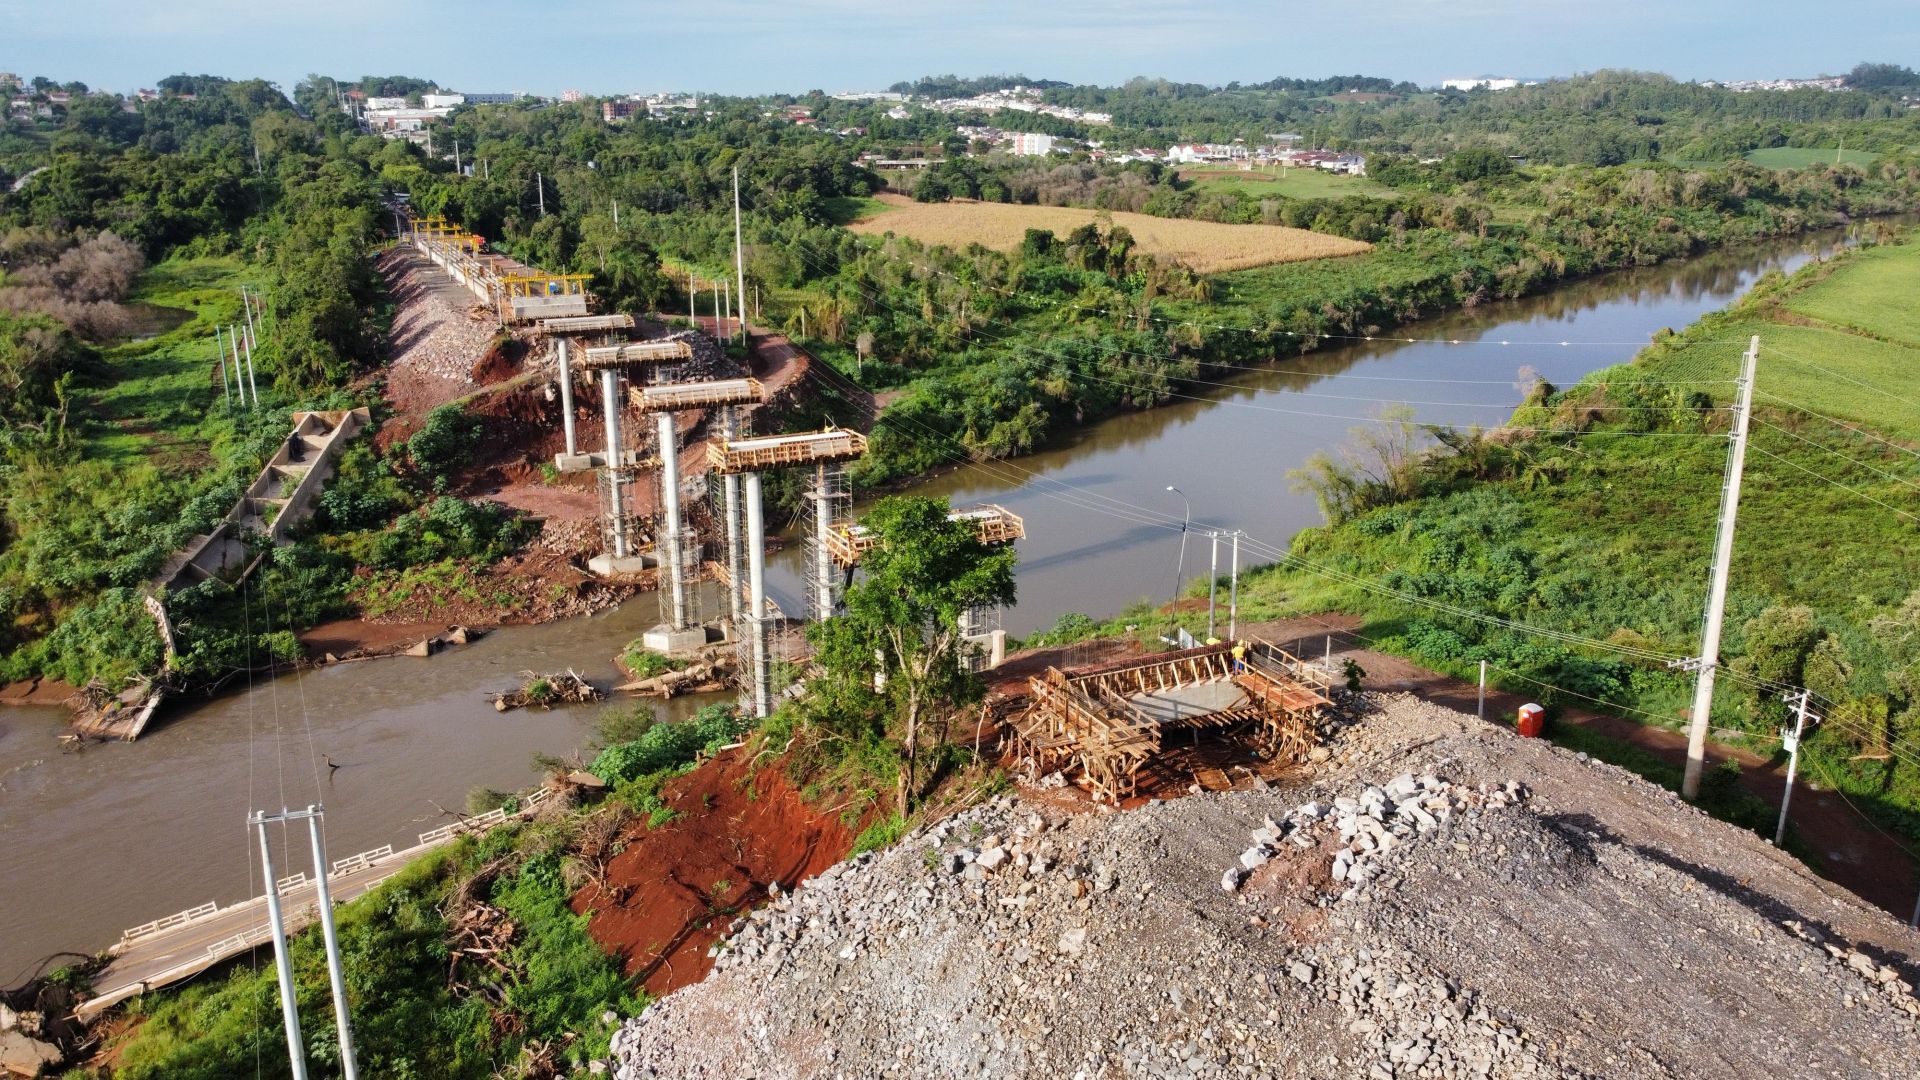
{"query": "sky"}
pixel 756 46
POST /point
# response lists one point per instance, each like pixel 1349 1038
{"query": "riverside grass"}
pixel 1206 247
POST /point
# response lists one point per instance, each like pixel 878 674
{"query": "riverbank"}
pixel 1601 530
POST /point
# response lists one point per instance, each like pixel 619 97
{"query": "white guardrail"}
pixel 352 864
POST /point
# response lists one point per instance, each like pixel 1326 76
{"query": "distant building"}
pixel 1032 144
pixel 570 95
pixel 1487 81
pixel 492 99
pixel 442 101
pixel 619 110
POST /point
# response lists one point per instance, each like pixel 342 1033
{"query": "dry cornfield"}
pixel 1207 247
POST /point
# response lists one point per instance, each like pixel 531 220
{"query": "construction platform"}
pixel 586 324
pixel 667 397
pixel 515 292
pixel 992 524
pixel 635 354
pixel 1102 724
pixel 764 452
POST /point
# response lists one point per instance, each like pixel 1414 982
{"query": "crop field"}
pixel 1301 183
pixel 1205 246
pixel 1822 341
pixel 1799 157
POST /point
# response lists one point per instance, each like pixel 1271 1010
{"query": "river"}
pixel 95 840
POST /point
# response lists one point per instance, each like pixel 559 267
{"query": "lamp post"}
pixel 1180 568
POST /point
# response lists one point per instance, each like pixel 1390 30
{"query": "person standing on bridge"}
pixel 1239 657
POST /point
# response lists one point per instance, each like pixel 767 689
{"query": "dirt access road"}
pixel 1849 848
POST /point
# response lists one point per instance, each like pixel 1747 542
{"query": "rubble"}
pixel 1511 910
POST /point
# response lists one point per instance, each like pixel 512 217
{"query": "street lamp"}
pixel 1180 568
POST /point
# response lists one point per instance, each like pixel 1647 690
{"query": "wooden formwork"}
pixel 992 524
pixel 762 453
pixel 634 354
pixel 1086 721
pixel 665 397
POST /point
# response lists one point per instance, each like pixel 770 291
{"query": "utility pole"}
pixel 246 301
pixel 1792 743
pixel 220 354
pixel 456 157
pixel 1481 710
pixel 289 1008
pixel 1213 580
pixel 540 186
pixel 251 384
pixel 693 289
pixel 1233 592
pixel 739 255
pixel 336 977
pixel 726 300
pixel 1717 589
pixel 616 213
pixel 716 310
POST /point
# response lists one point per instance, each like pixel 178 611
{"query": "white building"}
pixel 1030 144
pixel 1488 81
pixel 442 101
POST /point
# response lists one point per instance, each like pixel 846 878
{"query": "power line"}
pixel 1838 484
pixel 1793 358
pixel 1790 403
pixel 1843 457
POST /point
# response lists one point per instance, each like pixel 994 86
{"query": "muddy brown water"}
pixel 111 836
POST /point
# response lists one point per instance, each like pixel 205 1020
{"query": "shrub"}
pixel 445 442
pixel 665 746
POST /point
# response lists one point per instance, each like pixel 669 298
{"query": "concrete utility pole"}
pixel 739 255
pixel 289 1008
pixel 1233 593
pixel 336 977
pixel 726 299
pixel 252 385
pixel 540 187
pixel 761 693
pixel 670 507
pixel 220 354
pixel 1213 580
pixel 1792 743
pixel 1481 710
pixel 736 551
pixel 718 333
pixel 1717 590
pixel 610 406
pixel 693 291
pixel 246 302
pixel 456 157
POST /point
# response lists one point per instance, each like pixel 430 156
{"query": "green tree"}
pixel 899 645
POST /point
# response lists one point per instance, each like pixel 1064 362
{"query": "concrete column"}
pixel 736 551
pixel 566 398
pixel 823 559
pixel 757 598
pixel 670 508
pixel 610 404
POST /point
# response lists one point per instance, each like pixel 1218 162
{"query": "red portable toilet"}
pixel 1533 718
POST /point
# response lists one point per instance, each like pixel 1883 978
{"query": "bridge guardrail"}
pixel 179 918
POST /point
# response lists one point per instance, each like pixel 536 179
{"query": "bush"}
pixel 445 442
pixel 665 746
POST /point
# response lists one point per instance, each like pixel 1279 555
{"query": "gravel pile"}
pixel 435 340
pixel 1439 900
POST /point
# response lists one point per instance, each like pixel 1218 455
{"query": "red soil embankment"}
pixel 675 889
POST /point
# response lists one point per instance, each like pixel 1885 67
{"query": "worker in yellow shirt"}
pixel 1239 657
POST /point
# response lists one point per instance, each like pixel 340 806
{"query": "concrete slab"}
pixel 608 566
pixel 1197 699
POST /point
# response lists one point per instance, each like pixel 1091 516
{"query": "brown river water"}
pixel 96 840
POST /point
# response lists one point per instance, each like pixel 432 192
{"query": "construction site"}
pixel 664 425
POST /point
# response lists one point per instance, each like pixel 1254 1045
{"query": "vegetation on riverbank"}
pixel 1604 533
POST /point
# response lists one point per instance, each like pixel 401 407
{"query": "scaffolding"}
pixel 832 497
pixel 713 394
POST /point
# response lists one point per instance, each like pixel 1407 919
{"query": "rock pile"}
pixel 1370 825
pixel 1579 925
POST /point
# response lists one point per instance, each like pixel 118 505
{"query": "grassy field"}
pixel 1285 183
pixel 1799 157
pixel 847 209
pixel 160 394
pixel 1207 247
pixel 1821 340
